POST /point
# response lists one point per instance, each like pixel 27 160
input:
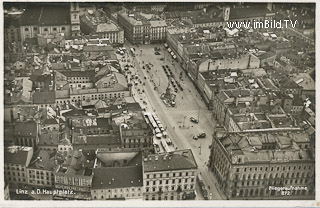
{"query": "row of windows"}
pixel 15 168
pixel 276 175
pixel 39 182
pixel 96 97
pixel 169 188
pixel 116 190
pixel 14 174
pixel 176 174
pixel 286 182
pixel 16 179
pixel 266 192
pixel 304 167
pixel 116 196
pixel 45 29
pixel 172 180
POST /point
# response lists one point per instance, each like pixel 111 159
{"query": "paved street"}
pixel 177 120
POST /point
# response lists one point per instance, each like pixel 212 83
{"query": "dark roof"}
pixel 78 73
pixel 19 156
pixel 31 16
pixel 11 22
pixel 97 140
pixel 46 15
pixel 50 121
pixel 120 177
pixel 75 112
pixel 55 15
pixel 240 13
pixel 178 160
pixel 28 129
pixel 44 97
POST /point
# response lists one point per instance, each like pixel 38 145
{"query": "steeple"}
pixel 75 18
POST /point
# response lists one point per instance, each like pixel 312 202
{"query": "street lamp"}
pixel 184 120
pixel 200 149
pixel 199 114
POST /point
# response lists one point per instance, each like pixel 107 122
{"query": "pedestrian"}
pixel 173 127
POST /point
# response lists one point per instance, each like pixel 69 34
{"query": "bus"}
pixel 165 146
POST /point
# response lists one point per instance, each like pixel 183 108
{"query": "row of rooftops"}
pixel 107 170
pixel 267 147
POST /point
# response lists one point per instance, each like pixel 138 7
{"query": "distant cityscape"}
pixel 159 101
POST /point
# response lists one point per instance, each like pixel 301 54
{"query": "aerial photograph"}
pixel 159 101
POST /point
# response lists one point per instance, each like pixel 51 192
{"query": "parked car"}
pixel 156 147
pixel 168 140
pixel 157 53
pixel 202 135
pixel 194 120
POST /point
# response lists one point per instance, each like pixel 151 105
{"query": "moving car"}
pixel 157 53
pixel 196 137
pixel 194 120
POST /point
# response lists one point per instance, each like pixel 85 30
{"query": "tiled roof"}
pixel 240 13
pixel 46 15
pixel 44 97
pixel 177 160
pixel 120 177
pixel 27 129
pixel 18 155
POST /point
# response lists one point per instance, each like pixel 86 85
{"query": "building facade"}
pixel 254 166
pixel 167 178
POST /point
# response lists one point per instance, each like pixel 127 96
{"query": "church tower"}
pixel 226 13
pixel 75 19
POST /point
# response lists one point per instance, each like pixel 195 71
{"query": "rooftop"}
pixel 26 129
pixel 18 155
pixel 177 160
pixel 117 177
pixel 264 147
pixel 46 15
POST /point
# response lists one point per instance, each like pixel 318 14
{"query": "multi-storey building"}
pixel 11 30
pixel 157 31
pixel 103 27
pixel 16 161
pixel 45 20
pixel 75 174
pixel 170 176
pixel 41 172
pixel 136 28
pixel 136 133
pixel 258 165
pixel 117 175
pixel 26 134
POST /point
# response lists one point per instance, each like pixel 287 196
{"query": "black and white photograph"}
pixel 159 101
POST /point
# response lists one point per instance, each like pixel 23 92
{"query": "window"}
pixel 54 29
pixel 26 29
pixel 45 29
pixel 35 29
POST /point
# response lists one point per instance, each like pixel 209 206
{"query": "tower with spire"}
pixel 75 19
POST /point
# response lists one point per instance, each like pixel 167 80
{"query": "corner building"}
pixel 170 176
pixel 250 165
